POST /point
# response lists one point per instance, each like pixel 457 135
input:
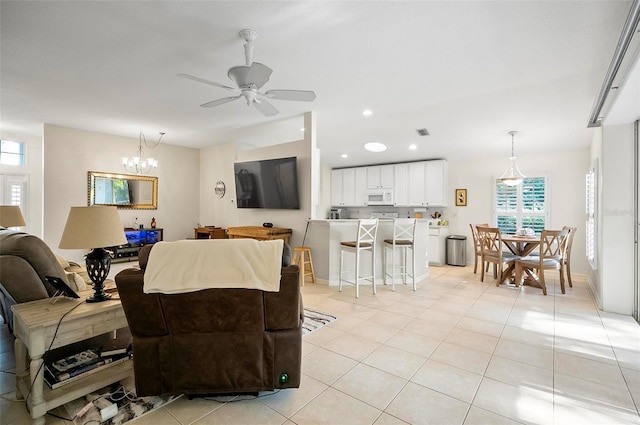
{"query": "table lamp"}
pixel 95 228
pixel 11 216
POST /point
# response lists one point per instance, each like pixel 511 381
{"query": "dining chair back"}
pixel 490 240
pixel 553 244
pixel 567 256
pixel 404 234
pixel 365 241
pixel 477 249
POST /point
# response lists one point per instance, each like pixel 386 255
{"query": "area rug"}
pixel 314 319
pixel 129 406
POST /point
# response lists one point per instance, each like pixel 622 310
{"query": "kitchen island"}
pixel 324 237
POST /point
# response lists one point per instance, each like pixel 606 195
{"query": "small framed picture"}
pixel 461 197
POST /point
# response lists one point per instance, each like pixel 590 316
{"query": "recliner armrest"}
pixel 282 309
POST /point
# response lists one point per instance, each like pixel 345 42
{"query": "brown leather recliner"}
pixel 214 341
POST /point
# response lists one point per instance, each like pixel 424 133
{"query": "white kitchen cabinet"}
pixel 401 185
pixel 414 184
pixel 360 196
pixel 436 248
pixel 437 178
pixel 380 177
pixel 348 187
pixel 417 183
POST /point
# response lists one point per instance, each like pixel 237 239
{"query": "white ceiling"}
pixel 469 72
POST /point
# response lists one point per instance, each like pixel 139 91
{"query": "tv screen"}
pixel 270 183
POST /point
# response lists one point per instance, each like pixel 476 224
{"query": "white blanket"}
pixel 193 265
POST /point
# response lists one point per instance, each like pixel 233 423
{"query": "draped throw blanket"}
pixel 194 265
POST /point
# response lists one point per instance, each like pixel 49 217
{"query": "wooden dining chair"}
pixel 553 244
pixel 491 244
pixel 567 255
pixel 476 244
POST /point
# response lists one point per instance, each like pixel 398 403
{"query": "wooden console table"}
pixel 260 233
pixel 34 326
pixel 209 233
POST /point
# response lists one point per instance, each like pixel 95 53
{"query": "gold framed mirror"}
pixel 127 191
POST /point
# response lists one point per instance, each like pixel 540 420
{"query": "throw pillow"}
pixel 62 261
pixel 76 281
pixel 286 255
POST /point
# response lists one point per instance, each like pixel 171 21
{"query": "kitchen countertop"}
pixel 354 220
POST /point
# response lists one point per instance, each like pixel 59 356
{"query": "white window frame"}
pixel 14 190
pixel 22 154
pixel 519 214
pixel 591 209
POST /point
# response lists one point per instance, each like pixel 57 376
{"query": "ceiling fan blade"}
pixel 300 95
pixel 219 102
pixel 202 80
pixel 265 107
pixel 258 74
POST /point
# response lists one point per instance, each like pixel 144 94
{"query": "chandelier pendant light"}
pixel 139 164
pixel 512 176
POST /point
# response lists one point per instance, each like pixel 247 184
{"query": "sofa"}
pixel 213 341
pixel 25 260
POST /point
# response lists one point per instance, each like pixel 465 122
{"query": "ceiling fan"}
pixel 250 78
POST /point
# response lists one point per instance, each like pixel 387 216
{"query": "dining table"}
pixel 521 246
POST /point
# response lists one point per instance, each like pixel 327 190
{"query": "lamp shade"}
pixel 97 226
pixel 11 216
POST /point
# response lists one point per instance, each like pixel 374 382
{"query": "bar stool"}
pixel 404 233
pixel 366 241
pixel 302 257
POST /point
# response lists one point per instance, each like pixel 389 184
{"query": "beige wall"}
pixel 69 154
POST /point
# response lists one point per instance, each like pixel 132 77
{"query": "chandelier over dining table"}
pixel 139 164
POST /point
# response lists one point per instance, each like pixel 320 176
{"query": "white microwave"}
pixel 380 197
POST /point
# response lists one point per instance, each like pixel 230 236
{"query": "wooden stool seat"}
pixel 302 257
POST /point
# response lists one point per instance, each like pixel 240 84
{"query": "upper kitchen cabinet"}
pixel 380 177
pixel 401 185
pixel 437 174
pixel 413 184
pixel 348 187
pixel 427 183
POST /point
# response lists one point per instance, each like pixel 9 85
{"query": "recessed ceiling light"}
pixel 413 147
pixel 367 112
pixel 375 147
pixel 344 155
pixel 302 129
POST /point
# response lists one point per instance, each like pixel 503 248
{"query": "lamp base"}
pixel 98 266
pixel 98 297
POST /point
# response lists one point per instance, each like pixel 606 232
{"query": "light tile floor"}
pixel 457 351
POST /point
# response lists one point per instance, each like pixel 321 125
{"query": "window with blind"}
pixel 523 206
pixel 591 193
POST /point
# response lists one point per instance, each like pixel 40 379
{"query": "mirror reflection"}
pixel 122 190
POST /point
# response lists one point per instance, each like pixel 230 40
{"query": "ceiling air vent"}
pixel 422 132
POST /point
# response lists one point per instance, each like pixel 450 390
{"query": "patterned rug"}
pixel 314 319
pixel 129 407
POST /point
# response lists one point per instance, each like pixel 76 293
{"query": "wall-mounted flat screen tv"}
pixel 269 183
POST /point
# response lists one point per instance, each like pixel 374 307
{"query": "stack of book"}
pixel 72 368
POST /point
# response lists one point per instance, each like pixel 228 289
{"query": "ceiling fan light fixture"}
pixel 375 146
pixel 512 176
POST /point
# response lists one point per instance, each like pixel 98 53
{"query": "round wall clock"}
pixel 220 189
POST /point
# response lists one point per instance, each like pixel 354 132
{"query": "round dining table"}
pixel 521 246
